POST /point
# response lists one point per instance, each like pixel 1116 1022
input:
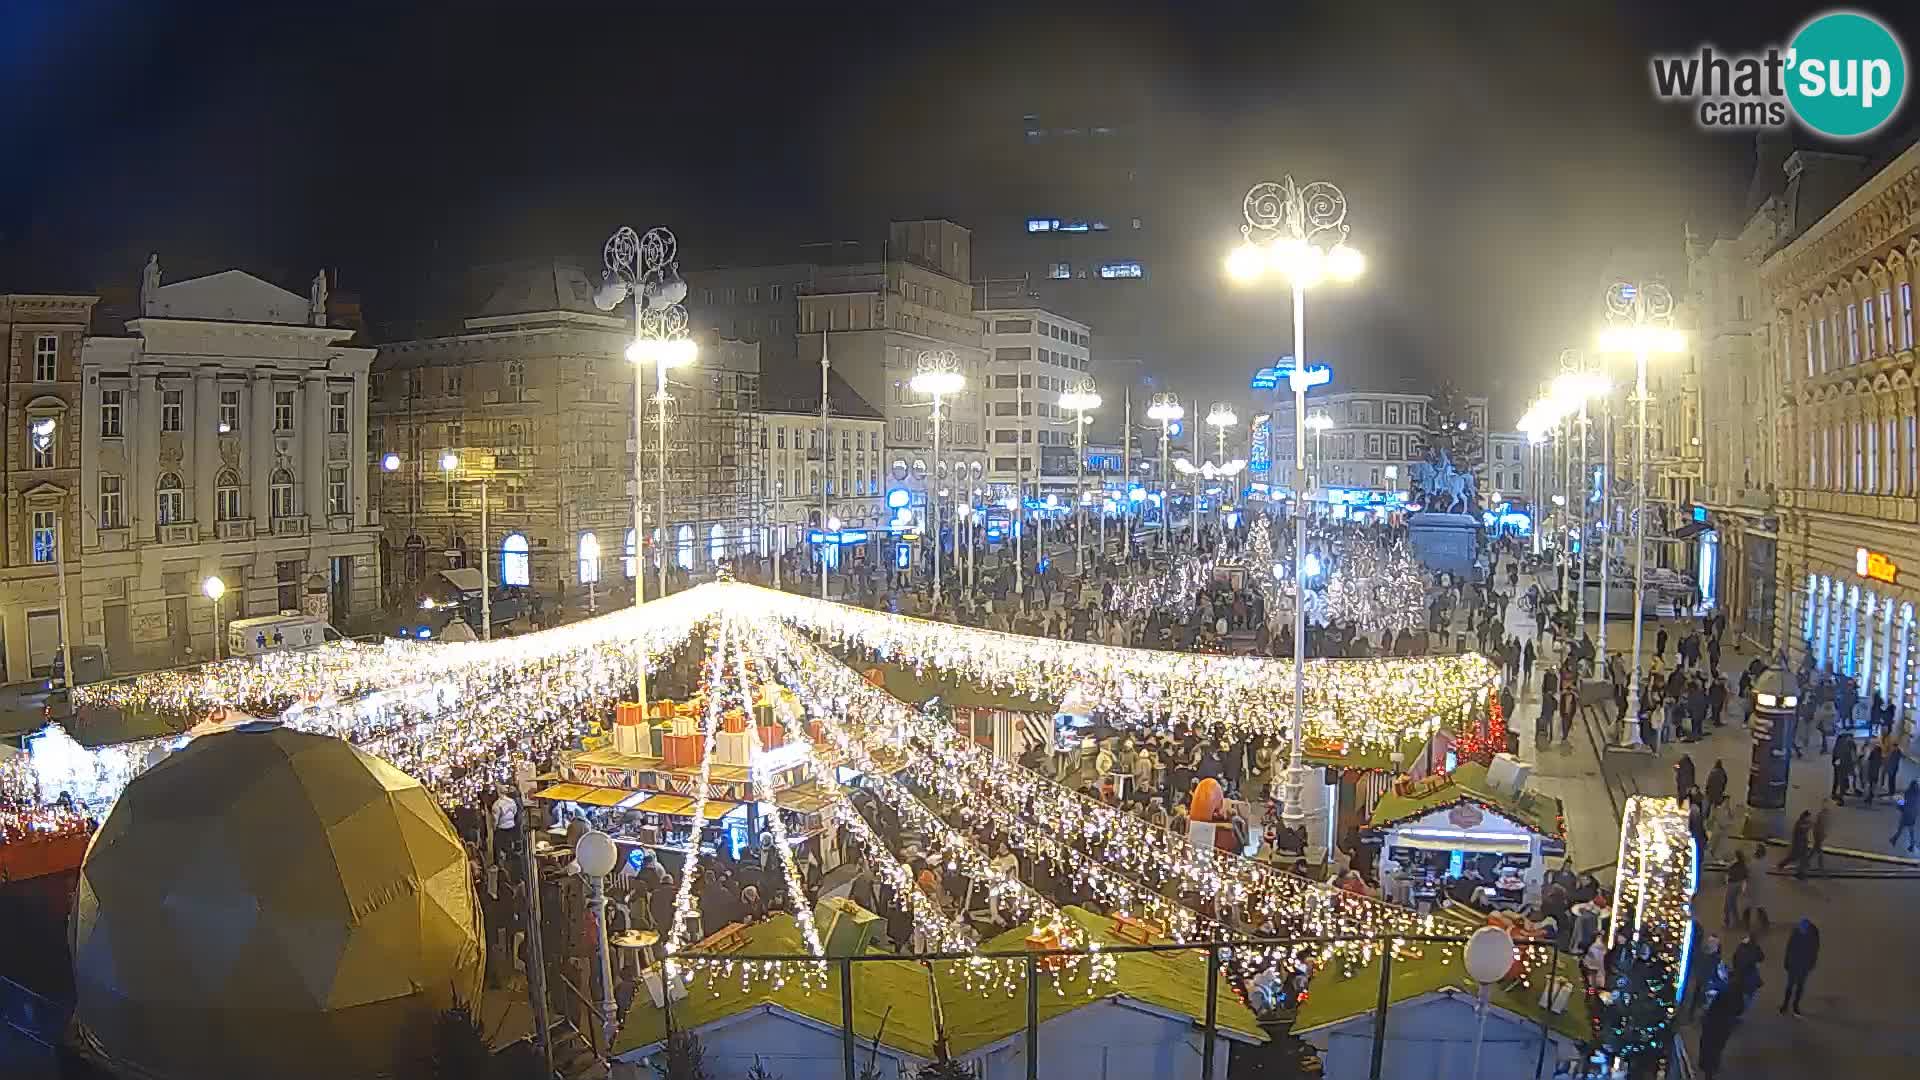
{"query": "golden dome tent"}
pixel 272 903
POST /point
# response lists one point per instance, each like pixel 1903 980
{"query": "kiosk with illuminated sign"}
pixel 1478 822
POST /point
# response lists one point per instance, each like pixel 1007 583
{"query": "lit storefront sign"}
pixel 1875 566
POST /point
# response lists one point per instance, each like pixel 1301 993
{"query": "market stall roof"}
pixel 1533 810
pixel 895 992
pixel 651 802
pixel 1380 758
pixel 803 799
pixel 1334 996
pixel 917 689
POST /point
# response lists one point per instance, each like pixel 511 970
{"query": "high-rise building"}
pixel 1035 356
pixel 872 318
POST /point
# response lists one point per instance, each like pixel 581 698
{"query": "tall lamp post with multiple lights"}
pixel 213 588
pixel 1574 390
pixel 645 270
pixel 1319 423
pixel 1640 314
pixel 1221 418
pixel 1080 400
pixel 450 465
pixel 1166 409
pixel 937 373
pixel 1298 232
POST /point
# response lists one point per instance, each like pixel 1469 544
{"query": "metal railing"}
pixel 1219 955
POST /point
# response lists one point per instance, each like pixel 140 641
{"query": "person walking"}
pixel 1803 952
pixel 1801 847
pixel 1683 777
pixel 1909 813
pixel 1735 901
pixel 1876 761
pixel 1527 656
pixel 1716 785
pixel 1894 760
pixel 1660 644
pixel 1818 851
pixel 1754 912
pixel 1549 689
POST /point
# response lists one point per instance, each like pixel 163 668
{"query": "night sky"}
pixel 1494 155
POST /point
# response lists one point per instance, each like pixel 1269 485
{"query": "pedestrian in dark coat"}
pixel 1842 768
pixel 1894 758
pixel 1909 813
pixel 1716 785
pixel 1683 776
pixel 1801 848
pixel 1660 644
pixel 1715 1029
pixel 1876 761
pixel 1803 952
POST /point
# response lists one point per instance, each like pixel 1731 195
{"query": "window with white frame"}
pixel 173 408
pixel 514 560
pixel 229 411
pixel 110 402
pixel 112 511
pixel 337 405
pixel 280 493
pixel 337 490
pixel 1867 326
pixel 1853 334
pixel 1906 315
pixel 283 410
pixel 46 531
pixel 46 358
pixel 226 496
pixel 172 499
pixel 589 558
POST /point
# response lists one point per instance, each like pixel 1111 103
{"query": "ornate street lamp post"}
pixel 1298 232
pixel 937 372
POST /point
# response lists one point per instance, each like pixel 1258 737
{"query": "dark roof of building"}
pixel 797 390
pixel 541 286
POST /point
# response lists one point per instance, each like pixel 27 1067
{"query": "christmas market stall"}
pixel 1433 1016
pixel 1476 834
pixel 1140 1023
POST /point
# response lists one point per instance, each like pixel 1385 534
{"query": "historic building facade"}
pixel 41 454
pixel 1842 297
pixel 533 398
pixel 222 435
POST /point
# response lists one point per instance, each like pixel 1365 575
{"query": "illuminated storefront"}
pixel 1861 625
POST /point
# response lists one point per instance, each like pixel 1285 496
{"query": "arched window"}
pixel 172 499
pixel 513 560
pixel 281 490
pixel 226 496
pixel 685 555
pixel 589 558
pixel 629 559
pixel 515 439
pixel 717 544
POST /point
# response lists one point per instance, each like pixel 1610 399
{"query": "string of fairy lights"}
pixel 1272 901
pixel 949 847
pixel 763 794
pixel 1372 704
pixel 461 717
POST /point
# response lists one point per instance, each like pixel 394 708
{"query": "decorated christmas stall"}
pixel 1141 1021
pixel 1435 1012
pixel 1478 828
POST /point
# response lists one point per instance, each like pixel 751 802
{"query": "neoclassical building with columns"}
pixel 224 434
pixel 1848 427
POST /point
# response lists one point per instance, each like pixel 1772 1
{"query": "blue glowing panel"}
pixel 1260 453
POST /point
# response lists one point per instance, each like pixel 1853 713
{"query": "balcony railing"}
pixel 236 529
pixel 290 526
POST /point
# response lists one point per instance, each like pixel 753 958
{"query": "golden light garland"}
pixel 1368 705
pixel 1657 873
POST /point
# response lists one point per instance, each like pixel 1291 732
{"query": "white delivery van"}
pixel 277 633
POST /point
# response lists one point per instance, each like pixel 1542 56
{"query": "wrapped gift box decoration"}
pixel 817 732
pixel 656 733
pixel 732 748
pixel 686 725
pixel 845 927
pixel 662 709
pixel 772 736
pixel 1044 940
pixel 682 751
pixel 734 721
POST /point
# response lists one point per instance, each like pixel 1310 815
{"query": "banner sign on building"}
pixel 1260 452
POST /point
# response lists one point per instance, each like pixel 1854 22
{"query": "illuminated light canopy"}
pixel 1642 338
pixel 664 352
